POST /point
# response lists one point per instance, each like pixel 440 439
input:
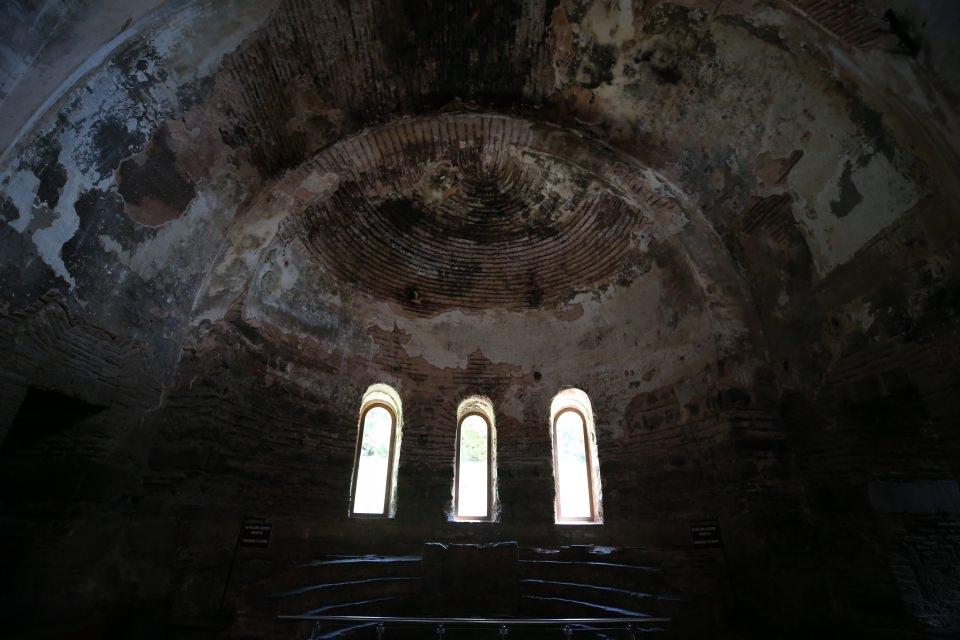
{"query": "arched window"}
pixel 575 467
pixel 373 490
pixel 474 482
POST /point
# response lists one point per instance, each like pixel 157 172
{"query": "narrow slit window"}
pixel 575 459
pixel 474 472
pixel 378 439
pixel 573 474
pixel 474 477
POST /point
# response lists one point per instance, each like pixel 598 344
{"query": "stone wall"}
pixel 733 225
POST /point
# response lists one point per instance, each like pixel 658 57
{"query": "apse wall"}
pixel 733 226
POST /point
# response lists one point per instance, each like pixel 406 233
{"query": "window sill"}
pixel 473 520
pixel 368 516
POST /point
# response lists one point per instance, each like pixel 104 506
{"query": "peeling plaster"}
pixel 885 196
pixel 21 188
pixel 50 240
pixel 612 24
pixel 175 245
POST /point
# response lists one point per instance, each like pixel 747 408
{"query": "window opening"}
pixel 378 444
pixel 575 467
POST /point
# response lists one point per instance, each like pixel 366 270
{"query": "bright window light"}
pixel 473 468
pixel 573 471
pixel 373 462
pixel 575 467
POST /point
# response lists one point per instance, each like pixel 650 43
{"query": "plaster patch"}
pixel 862 316
pixel 289 276
pixel 317 184
pixel 50 240
pixel 22 191
pixel 198 37
pixel 446 340
pixel 610 24
pixel 112 246
pixel 176 242
pixel 886 195
pixel 245 245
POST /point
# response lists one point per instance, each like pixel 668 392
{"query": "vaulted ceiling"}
pixel 693 177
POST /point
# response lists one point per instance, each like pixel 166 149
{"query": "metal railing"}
pixel 503 625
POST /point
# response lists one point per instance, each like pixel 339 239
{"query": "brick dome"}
pixel 465 212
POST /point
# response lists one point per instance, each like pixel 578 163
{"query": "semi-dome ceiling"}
pixel 466 212
pixel 152 184
pixel 436 224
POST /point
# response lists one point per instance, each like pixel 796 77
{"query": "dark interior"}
pixel 731 224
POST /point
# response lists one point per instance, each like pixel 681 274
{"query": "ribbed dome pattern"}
pixel 462 212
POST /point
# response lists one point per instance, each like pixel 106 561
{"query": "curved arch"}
pixel 665 214
pixel 576 467
pixel 373 487
pixel 475 468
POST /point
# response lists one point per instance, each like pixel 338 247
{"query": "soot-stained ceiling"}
pixel 217 150
pixel 463 213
